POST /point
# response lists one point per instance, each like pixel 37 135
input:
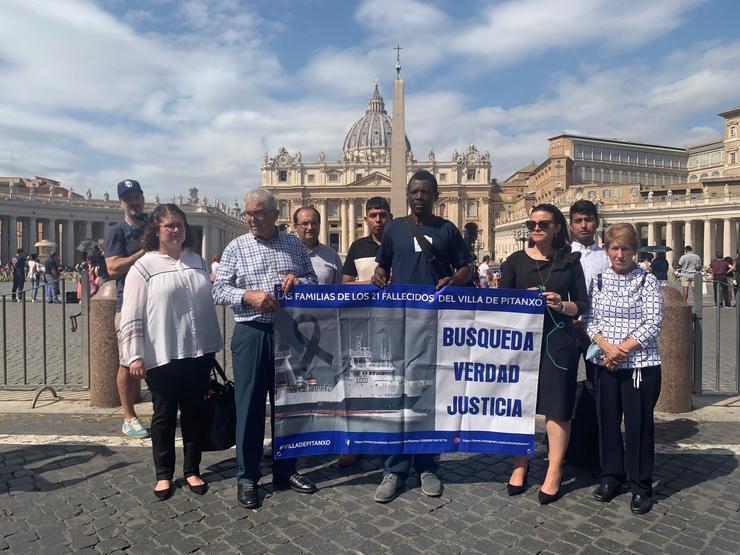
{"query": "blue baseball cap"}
pixel 128 185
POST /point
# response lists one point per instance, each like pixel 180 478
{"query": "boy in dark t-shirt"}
pixel 359 264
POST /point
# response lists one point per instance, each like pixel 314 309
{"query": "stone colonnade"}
pixel 710 226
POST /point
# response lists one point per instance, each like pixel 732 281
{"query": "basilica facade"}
pixel 338 189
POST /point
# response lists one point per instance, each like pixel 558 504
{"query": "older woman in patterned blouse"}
pixel 624 322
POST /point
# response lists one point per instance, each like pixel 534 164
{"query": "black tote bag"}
pixel 220 413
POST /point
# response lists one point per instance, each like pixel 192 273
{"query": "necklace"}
pixel 543 285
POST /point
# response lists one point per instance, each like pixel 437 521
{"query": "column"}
pixel 733 240
pixel 669 243
pixel 652 227
pixel 68 243
pixel 12 236
pixel 324 233
pixel 708 255
pixel 51 231
pixel 88 234
pixel 32 234
pixel 688 236
pixel 365 228
pixel 352 222
pixel 727 249
pixel 204 250
pixel 343 217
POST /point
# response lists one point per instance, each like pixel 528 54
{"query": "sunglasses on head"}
pixel 542 224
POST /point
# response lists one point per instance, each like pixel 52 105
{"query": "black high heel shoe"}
pixel 518 490
pixel 546 498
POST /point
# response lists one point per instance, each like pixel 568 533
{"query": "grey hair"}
pixel 261 196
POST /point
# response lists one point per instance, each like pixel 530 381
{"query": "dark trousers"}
pixel 720 283
pixel 180 384
pixel 18 282
pixel 401 464
pixel 252 353
pixel 630 457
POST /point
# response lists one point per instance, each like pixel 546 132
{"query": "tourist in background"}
pixel 484 270
pixel 690 265
pixel 18 269
pixel 169 337
pixel 624 321
pixel 51 276
pixel 548 265
pixel 719 268
pixel 215 263
pixel 659 268
pixel 34 275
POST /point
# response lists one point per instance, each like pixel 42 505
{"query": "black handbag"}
pixel 220 412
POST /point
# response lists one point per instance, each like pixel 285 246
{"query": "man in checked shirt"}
pixel 251 266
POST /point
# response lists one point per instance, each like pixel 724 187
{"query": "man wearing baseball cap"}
pixel 121 251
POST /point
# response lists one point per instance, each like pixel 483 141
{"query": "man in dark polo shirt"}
pixel 360 262
pixel 121 251
pixel 401 255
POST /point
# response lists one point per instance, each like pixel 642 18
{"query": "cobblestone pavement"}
pixel 57 498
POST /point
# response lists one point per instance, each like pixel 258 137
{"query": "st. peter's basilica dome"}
pixel 370 136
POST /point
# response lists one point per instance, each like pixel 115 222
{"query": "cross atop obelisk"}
pixel 399 208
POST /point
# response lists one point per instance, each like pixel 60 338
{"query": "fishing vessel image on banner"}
pixel 368 386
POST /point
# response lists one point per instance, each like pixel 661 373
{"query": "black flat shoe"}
pixel 246 495
pixel 606 492
pixel 513 490
pixel 163 494
pixel 641 504
pixel 296 482
pixel 200 489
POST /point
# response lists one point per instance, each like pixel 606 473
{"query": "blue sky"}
pixel 192 93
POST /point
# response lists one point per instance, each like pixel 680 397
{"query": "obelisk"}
pixel 399 208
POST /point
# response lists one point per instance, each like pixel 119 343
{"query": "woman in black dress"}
pixel 547 264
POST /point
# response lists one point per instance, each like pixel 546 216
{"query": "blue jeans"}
pixel 51 293
pixel 34 288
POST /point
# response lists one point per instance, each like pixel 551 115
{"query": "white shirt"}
pixel 483 270
pixel 594 261
pixel 168 311
pixel 34 266
pixel 214 267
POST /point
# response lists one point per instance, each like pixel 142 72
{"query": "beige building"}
pixel 674 196
pixel 32 209
pixel 339 189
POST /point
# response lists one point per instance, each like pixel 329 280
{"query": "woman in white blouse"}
pixel 624 322
pixel 169 334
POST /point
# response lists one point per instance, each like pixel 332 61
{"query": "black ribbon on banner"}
pixel 310 343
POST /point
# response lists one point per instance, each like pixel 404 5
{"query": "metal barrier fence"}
pixel 46 347
pixel 38 349
pixel 715 375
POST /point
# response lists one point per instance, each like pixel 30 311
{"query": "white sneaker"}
pixel 134 428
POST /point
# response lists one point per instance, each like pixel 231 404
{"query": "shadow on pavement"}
pixel 24 468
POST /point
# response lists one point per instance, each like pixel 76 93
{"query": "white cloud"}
pixel 89 99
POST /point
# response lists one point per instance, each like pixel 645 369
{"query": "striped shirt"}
pixel 252 264
pixel 623 308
